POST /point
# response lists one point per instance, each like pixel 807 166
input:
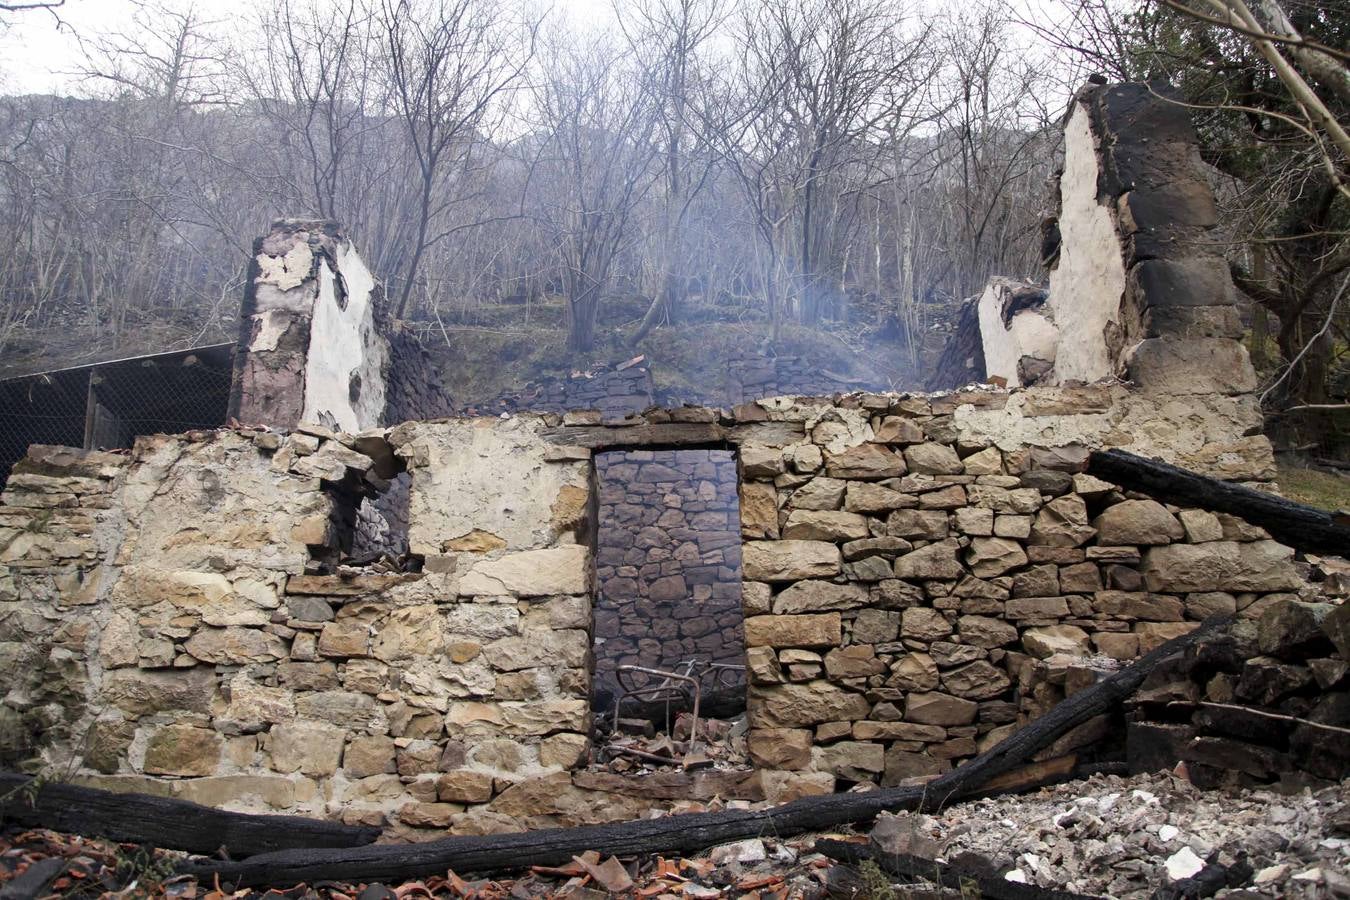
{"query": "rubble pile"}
pixel 1269 701
pixel 1126 837
pixel 637 750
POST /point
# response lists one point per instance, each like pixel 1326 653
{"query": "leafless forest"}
pixel 852 167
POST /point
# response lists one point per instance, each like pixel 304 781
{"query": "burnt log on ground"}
pixel 693 832
pixel 1300 526
pixel 167 823
pixel 952 874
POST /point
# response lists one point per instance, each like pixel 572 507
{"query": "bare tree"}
pixel 592 169
pixel 449 63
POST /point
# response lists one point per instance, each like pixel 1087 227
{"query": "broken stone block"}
pixel 1292 630
pixel 875 626
pixel 1048 640
pixel 820 493
pixel 312 748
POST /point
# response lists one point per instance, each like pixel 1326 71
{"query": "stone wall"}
pixel 668 563
pixel 916 569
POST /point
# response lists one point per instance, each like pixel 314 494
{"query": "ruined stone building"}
pixel 355 605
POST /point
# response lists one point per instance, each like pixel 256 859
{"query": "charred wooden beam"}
pixel 165 822
pixel 697 831
pixel 1296 524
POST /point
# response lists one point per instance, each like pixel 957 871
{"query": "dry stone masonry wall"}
pixel 668 563
pixel 921 573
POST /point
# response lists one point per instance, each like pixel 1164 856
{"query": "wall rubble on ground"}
pixel 911 562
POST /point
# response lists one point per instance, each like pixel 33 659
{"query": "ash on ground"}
pixel 1127 837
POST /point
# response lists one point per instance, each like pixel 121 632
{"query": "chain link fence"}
pixel 107 405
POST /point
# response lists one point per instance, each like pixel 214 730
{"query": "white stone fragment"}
pixel 1144 796
pixel 1016 875
pixel 1183 864
pixel 1271 874
pixel 1167 833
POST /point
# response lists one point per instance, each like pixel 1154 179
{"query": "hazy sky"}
pixel 39 53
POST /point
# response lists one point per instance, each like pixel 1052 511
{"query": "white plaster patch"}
pixel 268 329
pixel 1029 334
pixel 486 474
pixel 289 271
pixel 1087 285
pixel 343 343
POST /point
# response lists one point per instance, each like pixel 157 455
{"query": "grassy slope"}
pixel 1316 487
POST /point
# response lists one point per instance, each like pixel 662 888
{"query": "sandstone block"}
pixel 914 672
pixel 464 786
pixel 975 521
pixel 805 704
pixel 818 596
pixel 935 708
pixel 819 630
pixel 1063 522
pixel 1151 634
pixel 142 693
pixel 982 631
pixel 566 750
pixel 990 557
pixel 1220 566
pixel 936 562
pixel 870 497
pixel 875 626
pixel 235 646
pixel 1036 608
pixel 313 748
pixel 976 681
pixel 182 750
pixel 1131 605
pixel 1137 522
pixel 1201 526
pixel 820 493
pixel 759 511
pixel 789 560
pixel 898 430
pixel 530 573
pixel 924 624
pixel 824 525
pixel 779 748
pixel 368 755
pixel 850 760
pixel 933 459
pixel 1050 639
pixel 865 461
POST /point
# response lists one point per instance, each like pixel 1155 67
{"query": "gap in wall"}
pixel 668 582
